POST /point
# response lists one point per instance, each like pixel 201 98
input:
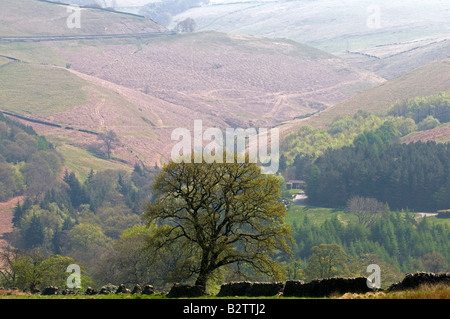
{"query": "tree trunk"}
pixel 202 279
pixel 205 270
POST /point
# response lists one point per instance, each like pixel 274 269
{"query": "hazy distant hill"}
pixel 365 27
pixel 390 38
pixel 393 60
pixel 333 26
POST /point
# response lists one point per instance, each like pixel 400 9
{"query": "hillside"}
pixel 355 30
pixel 438 134
pixel 33 17
pixel 142 87
pixel 6 215
pixel 393 60
pixel 333 26
pixel 240 80
pixel 76 101
pixel 430 79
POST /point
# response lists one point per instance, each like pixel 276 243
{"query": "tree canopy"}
pixel 227 213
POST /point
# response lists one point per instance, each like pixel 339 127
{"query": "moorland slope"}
pixel 142 87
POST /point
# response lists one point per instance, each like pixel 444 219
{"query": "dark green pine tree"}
pixel 77 192
pixel 19 210
pixel 34 234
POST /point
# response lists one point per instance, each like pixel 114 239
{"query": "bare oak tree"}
pixel 110 140
pixel 366 209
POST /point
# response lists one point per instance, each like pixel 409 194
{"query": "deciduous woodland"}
pixel 373 189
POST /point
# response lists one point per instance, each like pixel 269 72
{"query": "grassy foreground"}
pixel 440 291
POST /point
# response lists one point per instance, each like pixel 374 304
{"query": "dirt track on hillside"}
pixel 245 81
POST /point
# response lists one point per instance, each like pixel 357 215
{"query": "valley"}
pixel 162 80
pixel 359 93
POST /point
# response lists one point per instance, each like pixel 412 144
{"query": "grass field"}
pixel 33 52
pixel 36 89
pixel 81 161
pixel 440 291
pixel 297 213
pixel 4 61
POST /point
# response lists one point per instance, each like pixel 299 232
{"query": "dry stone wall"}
pixel 250 289
pixel 417 279
pixel 291 288
pixel 325 287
